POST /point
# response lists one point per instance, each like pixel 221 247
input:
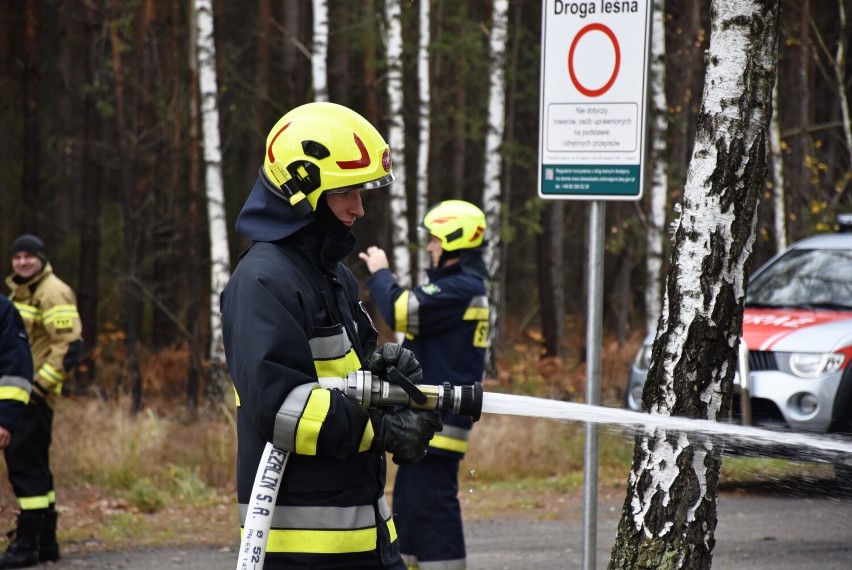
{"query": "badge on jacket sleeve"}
pixel 431 289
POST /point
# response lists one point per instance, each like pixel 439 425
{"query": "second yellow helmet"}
pixel 458 224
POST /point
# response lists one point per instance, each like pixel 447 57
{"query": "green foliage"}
pixel 147 496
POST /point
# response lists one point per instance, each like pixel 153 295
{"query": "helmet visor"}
pixel 372 184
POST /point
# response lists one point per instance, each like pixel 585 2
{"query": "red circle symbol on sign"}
pixel 580 87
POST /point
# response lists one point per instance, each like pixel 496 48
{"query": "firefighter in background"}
pixel 445 323
pixel 291 314
pixel 48 308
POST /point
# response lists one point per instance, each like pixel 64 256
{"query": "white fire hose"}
pixel 264 493
pixel 369 392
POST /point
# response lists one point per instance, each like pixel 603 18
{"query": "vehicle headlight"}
pixel 643 358
pixel 813 364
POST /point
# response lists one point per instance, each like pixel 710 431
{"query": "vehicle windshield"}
pixel 807 279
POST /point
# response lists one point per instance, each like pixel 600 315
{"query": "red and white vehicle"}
pixel 796 348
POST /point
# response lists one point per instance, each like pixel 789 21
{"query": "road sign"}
pixel 594 73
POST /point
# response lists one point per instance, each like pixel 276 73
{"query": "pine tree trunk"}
pixel 90 236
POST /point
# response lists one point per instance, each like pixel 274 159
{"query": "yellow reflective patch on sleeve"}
pixel 14 393
pixel 400 312
pixel 480 335
pixel 310 424
pixel 476 314
pixel 367 438
pixel 449 443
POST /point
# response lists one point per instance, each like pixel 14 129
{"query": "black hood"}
pixel 472 263
pixel 266 217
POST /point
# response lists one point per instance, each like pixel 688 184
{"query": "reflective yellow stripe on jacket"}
pixel 28 312
pixel 15 388
pixel 325 530
pixel 478 310
pixel 60 316
pixel 300 417
pixel 406 314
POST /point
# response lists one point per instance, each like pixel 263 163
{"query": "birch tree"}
pixel 319 57
pixel 777 177
pixel 660 165
pixel 669 516
pixel 423 86
pixel 491 196
pixel 220 262
pixel 398 203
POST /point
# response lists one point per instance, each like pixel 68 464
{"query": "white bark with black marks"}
pixel 669 516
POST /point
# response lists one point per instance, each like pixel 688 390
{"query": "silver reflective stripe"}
pixel 454 432
pixel 330 347
pixel 16 382
pixel 288 416
pixel 413 314
pixel 479 301
pixel 324 518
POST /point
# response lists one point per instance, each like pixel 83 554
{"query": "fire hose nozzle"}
pixel 373 392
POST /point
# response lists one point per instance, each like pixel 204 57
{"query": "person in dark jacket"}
pixel 48 307
pixel 16 374
pixel 291 314
pixel 445 323
pixel 16 370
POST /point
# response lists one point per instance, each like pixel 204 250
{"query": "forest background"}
pixel 100 156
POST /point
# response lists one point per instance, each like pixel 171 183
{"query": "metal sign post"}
pixel 594 71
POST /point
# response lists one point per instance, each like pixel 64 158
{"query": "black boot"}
pixel 48 547
pixel 23 550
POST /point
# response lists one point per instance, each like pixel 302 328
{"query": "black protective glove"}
pixel 405 433
pixel 391 359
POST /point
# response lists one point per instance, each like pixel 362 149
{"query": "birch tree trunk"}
pixel 423 86
pixel 398 203
pixel 659 178
pixel 220 262
pixel 319 55
pixel 669 516
pixel 195 370
pixel 493 166
pixel 839 65
pixel 777 161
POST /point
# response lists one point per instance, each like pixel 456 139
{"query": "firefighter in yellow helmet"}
pixel 445 323
pixel 291 314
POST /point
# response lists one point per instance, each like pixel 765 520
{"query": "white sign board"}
pixel 594 73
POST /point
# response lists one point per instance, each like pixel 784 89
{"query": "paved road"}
pixel 756 531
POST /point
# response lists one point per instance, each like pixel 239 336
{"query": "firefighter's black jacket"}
pixel 290 314
pixel 446 326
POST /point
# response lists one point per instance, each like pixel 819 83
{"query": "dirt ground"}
pixel 758 529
